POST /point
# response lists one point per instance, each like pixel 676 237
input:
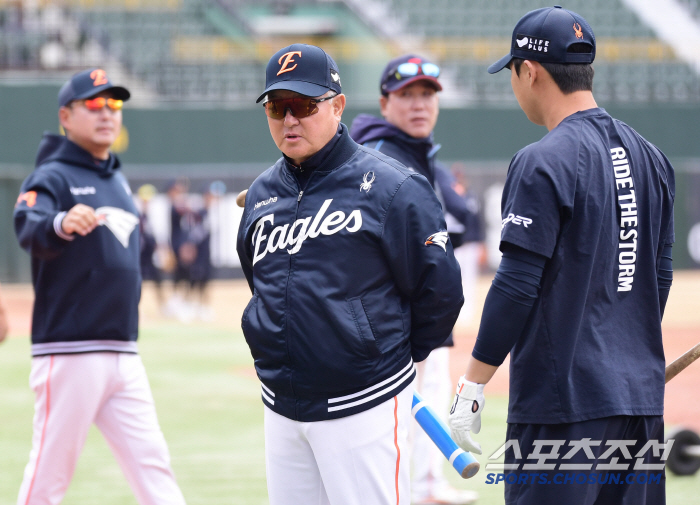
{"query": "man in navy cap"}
pixel 579 295
pixel 76 217
pixel 353 279
pixel 409 105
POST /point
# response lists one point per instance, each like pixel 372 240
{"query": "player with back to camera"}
pixel 353 280
pixel 409 105
pixel 76 217
pixel 581 289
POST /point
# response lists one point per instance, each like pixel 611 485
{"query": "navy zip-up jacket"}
pixel 87 289
pixel 353 279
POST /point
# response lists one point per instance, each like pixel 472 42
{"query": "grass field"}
pixel 208 400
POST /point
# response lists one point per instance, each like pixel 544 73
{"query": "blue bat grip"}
pixel 465 464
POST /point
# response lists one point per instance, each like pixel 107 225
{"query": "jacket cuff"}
pixel 58 229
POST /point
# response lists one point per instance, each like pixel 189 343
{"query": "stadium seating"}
pixel 631 64
pixel 207 50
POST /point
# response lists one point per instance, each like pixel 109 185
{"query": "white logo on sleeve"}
pixel 367 179
pixel 519 220
pixel 440 239
pixel 119 221
pixel 294 235
pixel 87 190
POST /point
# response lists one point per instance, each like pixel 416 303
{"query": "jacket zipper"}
pixel 287 301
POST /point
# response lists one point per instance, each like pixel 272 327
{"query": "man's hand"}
pixel 81 219
pixel 465 414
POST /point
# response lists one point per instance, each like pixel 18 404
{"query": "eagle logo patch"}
pixel 440 238
pixel 119 222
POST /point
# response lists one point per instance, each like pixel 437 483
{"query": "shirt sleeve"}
pixel 535 197
pixel 419 253
pixel 513 293
pixel 38 215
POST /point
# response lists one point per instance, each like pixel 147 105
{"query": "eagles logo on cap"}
pixel 303 69
pixel 288 59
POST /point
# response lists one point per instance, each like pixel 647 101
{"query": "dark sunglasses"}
pixel 413 69
pixel 299 107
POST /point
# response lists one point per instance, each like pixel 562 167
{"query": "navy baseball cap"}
pixel 407 69
pixel 545 35
pixel 89 83
pixel 302 68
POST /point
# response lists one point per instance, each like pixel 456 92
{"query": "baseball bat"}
pixel 465 464
pixel 682 363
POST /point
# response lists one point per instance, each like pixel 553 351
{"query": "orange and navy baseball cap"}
pixel 89 83
pixel 550 35
pixel 407 69
pixel 302 68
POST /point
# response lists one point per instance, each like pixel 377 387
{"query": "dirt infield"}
pixel 681 329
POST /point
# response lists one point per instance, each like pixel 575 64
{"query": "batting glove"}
pixel 465 414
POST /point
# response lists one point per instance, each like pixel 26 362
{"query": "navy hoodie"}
pixel 87 289
pixel 419 155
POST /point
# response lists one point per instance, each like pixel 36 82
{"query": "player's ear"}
pixel 64 114
pixel 531 71
pixel 383 102
pixel 338 106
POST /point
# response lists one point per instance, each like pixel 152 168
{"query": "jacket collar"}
pixel 336 152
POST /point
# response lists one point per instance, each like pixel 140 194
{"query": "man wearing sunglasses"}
pixel 76 217
pixel 409 107
pixel 353 280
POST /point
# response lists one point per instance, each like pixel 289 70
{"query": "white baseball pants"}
pixel 73 391
pixel 359 459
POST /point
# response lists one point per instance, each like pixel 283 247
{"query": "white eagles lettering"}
pixel 627 203
pixel 285 235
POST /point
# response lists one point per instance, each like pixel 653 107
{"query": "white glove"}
pixel 465 414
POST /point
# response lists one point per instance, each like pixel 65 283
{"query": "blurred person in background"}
pixel 183 253
pixel 468 237
pixel 148 245
pixel 409 105
pixel 76 217
pixel 4 326
pixel 199 235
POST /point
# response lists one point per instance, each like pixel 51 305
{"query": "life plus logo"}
pixel 534 44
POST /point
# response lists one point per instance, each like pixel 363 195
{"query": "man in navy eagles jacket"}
pixel 353 279
pixel 76 218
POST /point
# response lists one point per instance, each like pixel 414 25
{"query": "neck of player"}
pixel 561 106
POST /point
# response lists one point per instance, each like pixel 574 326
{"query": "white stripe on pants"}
pixel 358 459
pixel 73 391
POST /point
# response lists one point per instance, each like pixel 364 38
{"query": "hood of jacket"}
pixel 366 128
pixel 59 148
